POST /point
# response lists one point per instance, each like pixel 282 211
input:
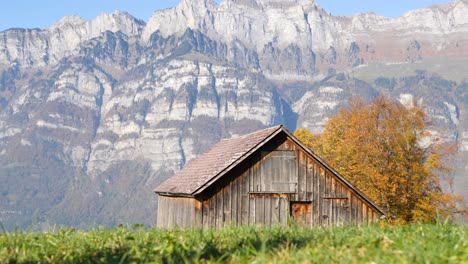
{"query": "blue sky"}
pixel 43 13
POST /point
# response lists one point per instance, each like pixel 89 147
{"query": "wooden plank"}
pixel 190 212
pixel 351 209
pixel 275 212
pixel 259 210
pixel 344 205
pixel 325 203
pixel 364 213
pixel 187 213
pixel 338 203
pixel 336 213
pixel 175 208
pixel 205 214
pixel 253 181
pixel 170 215
pixel 192 220
pixel 226 206
pixel 359 211
pixel 252 207
pixel 302 177
pixel 316 212
pixel 182 214
pixel 236 202
pixel 284 211
pixel 326 212
pixel 282 172
pixel 161 221
pixel 304 215
pixel 332 193
pixel 166 222
pixel 260 178
pixel 268 176
pixel 165 214
pixel 220 210
pixel 260 181
pixel 232 196
pixel 198 213
pixel 309 214
pixel 309 179
pixel 212 211
pixel 172 206
pixel 319 193
pixel 173 214
pixel 293 169
pixel 159 212
pixel 244 219
pixel 348 207
pixel 250 183
pixel 356 211
pixel 267 208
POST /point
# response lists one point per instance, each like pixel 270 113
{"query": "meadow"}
pixel 415 243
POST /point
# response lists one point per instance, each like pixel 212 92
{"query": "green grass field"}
pixel 441 243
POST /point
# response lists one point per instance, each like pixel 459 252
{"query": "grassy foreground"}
pixel 439 243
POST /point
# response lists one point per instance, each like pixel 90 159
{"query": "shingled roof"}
pixel 215 162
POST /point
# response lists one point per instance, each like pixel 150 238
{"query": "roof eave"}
pixel 171 194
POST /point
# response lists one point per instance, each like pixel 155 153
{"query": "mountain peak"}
pixel 118 17
pixel 188 14
pixel 68 20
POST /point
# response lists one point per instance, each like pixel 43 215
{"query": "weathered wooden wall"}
pixel 178 212
pixel 274 188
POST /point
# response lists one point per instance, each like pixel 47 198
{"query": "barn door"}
pixel 301 213
pixel 279 171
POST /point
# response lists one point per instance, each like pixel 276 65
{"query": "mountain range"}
pixel 95 114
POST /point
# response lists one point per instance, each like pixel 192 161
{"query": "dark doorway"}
pixel 301 213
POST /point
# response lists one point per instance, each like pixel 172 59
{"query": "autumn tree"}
pixel 385 149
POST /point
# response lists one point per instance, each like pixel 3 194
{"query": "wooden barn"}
pixel 267 177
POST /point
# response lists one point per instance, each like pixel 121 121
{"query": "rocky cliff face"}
pixel 94 114
pixel 263 25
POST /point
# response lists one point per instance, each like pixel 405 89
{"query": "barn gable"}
pixel 213 164
pixel 266 177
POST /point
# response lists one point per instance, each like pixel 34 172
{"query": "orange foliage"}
pixel 385 150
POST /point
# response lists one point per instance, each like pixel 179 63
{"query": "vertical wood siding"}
pixel 271 185
pixel 178 212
